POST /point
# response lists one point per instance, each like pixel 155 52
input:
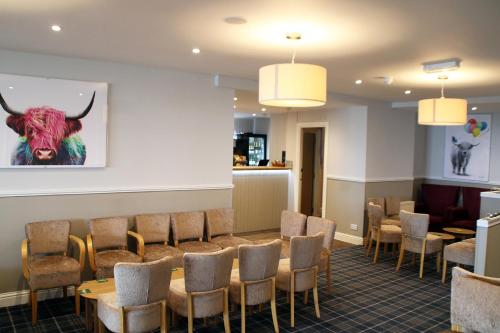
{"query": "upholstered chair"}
pixel 107 245
pixel 475 300
pixel 45 260
pixel 328 227
pixel 204 290
pixel 220 224
pixel 461 253
pixel 255 280
pixel 381 233
pixel 139 303
pixel 188 230
pixel 416 239
pixel 379 201
pixel 299 273
pixel 155 230
pixel 393 205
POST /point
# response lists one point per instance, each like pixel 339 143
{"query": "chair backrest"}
pixel 392 206
pixel 472 201
pixel 142 283
pixel 475 300
pixel 305 251
pixel 154 228
pixel 375 215
pixel 187 225
pixel 437 198
pixel 380 201
pixel 414 225
pixel 47 237
pixel 318 224
pixel 208 271
pixel 220 221
pixel 110 232
pixel 259 262
pixel 293 224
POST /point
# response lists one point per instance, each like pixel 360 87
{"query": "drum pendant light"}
pixel 292 84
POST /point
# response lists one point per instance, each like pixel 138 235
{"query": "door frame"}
pixel 298 166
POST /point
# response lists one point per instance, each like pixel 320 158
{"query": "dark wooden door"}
pixel 307 173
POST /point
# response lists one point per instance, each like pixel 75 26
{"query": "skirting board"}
pixel 356 240
pixel 22 296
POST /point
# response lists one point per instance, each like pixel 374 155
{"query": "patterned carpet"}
pixel 365 298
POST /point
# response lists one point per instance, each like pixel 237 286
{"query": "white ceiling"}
pixel 354 39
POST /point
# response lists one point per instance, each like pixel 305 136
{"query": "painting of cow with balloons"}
pixel 467 149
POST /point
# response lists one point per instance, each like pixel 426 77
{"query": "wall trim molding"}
pixel 20 297
pixel 107 190
pixel 356 240
pixel 453 180
pixel 371 180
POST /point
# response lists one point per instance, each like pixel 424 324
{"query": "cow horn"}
pixel 7 108
pixel 85 112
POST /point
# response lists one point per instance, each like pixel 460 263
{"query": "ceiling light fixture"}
pixel 474 108
pixel 292 84
pixel 235 98
pixel 442 111
pixel 263 109
pixel 196 50
pixel 56 28
pixel 11 87
pixel 254 114
pixel 407 92
pixel 358 81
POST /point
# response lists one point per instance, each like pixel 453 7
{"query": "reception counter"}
pixel 260 194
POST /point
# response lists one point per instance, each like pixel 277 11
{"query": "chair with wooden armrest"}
pixel 107 245
pixel 155 230
pixel 188 230
pixel 220 224
pixel 197 296
pixel 300 272
pixel 45 260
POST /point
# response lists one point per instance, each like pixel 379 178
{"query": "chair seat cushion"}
pixel 256 293
pixel 303 280
pixel 53 271
pixel 434 244
pixel 470 240
pixel 154 252
pixel 105 261
pixel 465 224
pixel 460 253
pixel 392 221
pixel 198 247
pixel 206 305
pixel 141 318
pixel 226 241
pixel 388 233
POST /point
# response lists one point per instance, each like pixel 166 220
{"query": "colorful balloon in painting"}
pixel 474 127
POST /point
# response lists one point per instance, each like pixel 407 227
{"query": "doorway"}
pixel 312 141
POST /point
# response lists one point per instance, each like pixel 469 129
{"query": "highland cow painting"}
pixel 467 149
pixel 52 122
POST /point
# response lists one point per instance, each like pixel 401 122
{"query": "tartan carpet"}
pixel 365 298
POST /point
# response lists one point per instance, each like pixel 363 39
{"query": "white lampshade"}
pixel 292 85
pixel 442 111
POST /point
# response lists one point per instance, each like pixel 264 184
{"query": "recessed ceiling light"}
pixel 358 81
pixel 11 87
pixel 235 98
pixel 235 20
pixel 263 109
pixel 254 114
pixel 196 50
pixel 407 92
pixel 474 108
pixel 56 28
pixel 81 94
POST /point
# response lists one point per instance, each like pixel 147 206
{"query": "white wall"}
pixel 166 128
pixel 277 136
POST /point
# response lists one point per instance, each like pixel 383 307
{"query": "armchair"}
pixel 220 224
pixel 45 260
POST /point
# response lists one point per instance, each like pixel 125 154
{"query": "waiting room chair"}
pixel 416 239
pixel 300 272
pixel 380 233
pixel 204 290
pixel 255 280
pixel 45 260
pixel 328 227
pixel 155 230
pixel 475 300
pixel 380 201
pixel 188 230
pixel 220 225
pixel 393 205
pixel 139 303
pixel 461 253
pixel 107 245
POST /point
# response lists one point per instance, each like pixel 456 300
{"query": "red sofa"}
pixel 467 215
pixel 438 201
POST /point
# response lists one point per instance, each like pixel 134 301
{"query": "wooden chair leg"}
pixel 368 236
pixel 261 307
pixel 190 312
pixel 163 317
pixel 227 328
pixel 77 301
pixel 292 299
pixel 370 243
pixel 273 306
pixel 445 266
pixel 456 328
pixel 401 255
pixel 422 259
pixel 175 319
pixel 306 296
pixel 242 303
pixel 413 259
pixel 438 262
pixel 377 248
pixel 329 275
pixel 123 320
pixel 315 294
pixel 34 306
pixel 386 248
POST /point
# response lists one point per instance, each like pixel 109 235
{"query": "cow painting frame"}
pixel 467 149
pixel 52 123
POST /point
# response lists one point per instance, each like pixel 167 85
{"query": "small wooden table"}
pixel 444 236
pixel 460 232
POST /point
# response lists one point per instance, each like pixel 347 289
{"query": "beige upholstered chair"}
pixel 381 233
pixel 393 205
pixel 45 260
pixel 379 201
pixel 416 239
pixel 328 227
pixel 155 230
pixel 255 280
pixel 462 253
pixel 110 236
pixel 300 272
pixel 204 290
pixel 220 224
pixel 139 303
pixel 475 300
pixel 188 226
